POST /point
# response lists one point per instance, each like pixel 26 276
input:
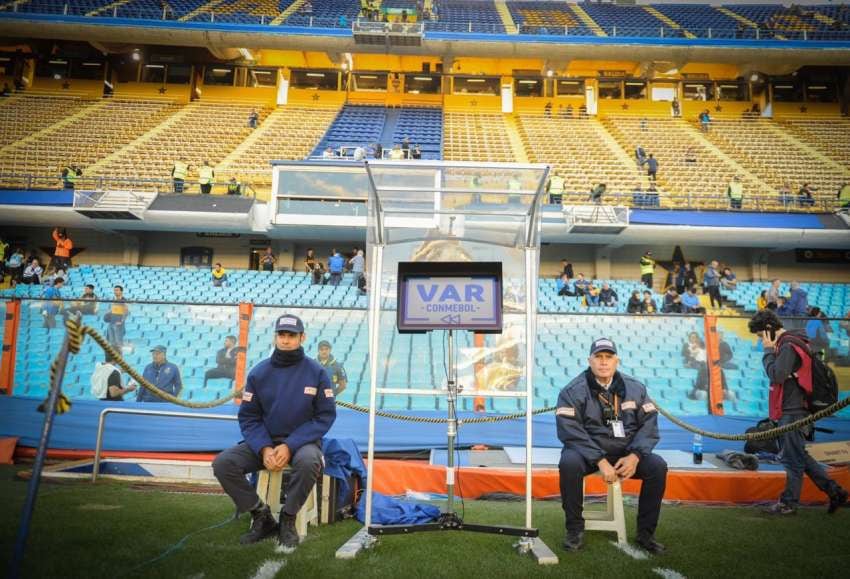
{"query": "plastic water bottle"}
pixel 697 448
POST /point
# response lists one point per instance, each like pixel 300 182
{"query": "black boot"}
pixel 574 540
pixel 837 499
pixel 263 526
pixel 288 539
pixel 648 542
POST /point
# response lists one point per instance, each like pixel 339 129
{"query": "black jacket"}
pixel 780 368
pixel 582 428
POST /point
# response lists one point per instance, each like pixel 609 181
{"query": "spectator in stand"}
pixel 336 265
pixel 310 260
pixel 32 273
pixel 735 192
pixel 70 173
pixel 607 296
pixel 581 285
pixel 234 187
pixel 805 197
pixel 15 266
pixel 106 381
pixel 219 276
pixel 761 301
pixel 253 119
pixel 567 268
pixel 694 356
pixel 597 193
pixel 405 147
pixel 358 266
pixel 178 175
pixel 672 302
pixel 339 379
pixel 705 121
pixel 225 361
pixel 843 195
pixel 786 198
pixel 562 284
pixel 773 292
pixel 359 153
pixel 416 152
pixel 592 296
pixel 115 318
pixel 816 330
pixel 53 303
pixel 798 303
pixel 651 167
pixel 781 306
pixel 328 153
pixel 690 302
pixel 206 178
pixel 711 282
pixel 686 279
pixel 640 156
pixel 647 267
pixel 728 280
pixel 62 253
pixel 267 260
pixel 674 108
pixel 319 273
pixel 396 154
pixel 635 305
pixel 648 306
pixel 86 305
pixel 162 374
pixel 379 150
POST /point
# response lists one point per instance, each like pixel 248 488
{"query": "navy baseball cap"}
pixel 324 344
pixel 162 349
pixel 603 345
pixel 289 323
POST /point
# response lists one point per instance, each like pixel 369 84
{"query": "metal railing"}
pixel 29 181
pixel 101 426
pixel 306 20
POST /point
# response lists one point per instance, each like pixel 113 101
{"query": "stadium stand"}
pixel 782 22
pixel 287 133
pixel 355 125
pixel 629 21
pixel 326 14
pixel 200 131
pixel 424 127
pixel 83 138
pixel 547 18
pixel 670 140
pixel 705 21
pixel 25 114
pixel 242 11
pixel 831 135
pixel 776 157
pixel 582 152
pixel 467 16
pixel 476 137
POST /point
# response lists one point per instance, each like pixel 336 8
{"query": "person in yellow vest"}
pixel 70 174
pixel 555 188
pixel 735 191
pixel 234 187
pixel 844 196
pixel 647 268
pixel 206 178
pixel 178 175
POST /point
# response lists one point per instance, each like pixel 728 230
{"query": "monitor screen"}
pixel 450 295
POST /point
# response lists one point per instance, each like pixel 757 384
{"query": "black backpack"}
pixel 756 446
pixel 824 383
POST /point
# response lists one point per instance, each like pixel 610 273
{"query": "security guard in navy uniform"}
pixel 287 407
pixel 607 422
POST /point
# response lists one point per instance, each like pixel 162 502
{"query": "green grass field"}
pixel 113 529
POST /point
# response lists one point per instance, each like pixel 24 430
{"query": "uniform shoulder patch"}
pixel 629 405
pixel 566 411
pixel 649 407
pixel 247 396
pixel 310 390
pixel 329 393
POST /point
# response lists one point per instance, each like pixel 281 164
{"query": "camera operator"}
pixel 786 365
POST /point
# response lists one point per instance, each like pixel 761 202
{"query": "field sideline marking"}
pixel 269 569
pixel 668 573
pixel 632 552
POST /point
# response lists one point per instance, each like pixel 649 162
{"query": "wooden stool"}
pixel 612 519
pixel 269 486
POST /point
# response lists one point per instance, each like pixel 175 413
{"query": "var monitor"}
pixel 450 295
